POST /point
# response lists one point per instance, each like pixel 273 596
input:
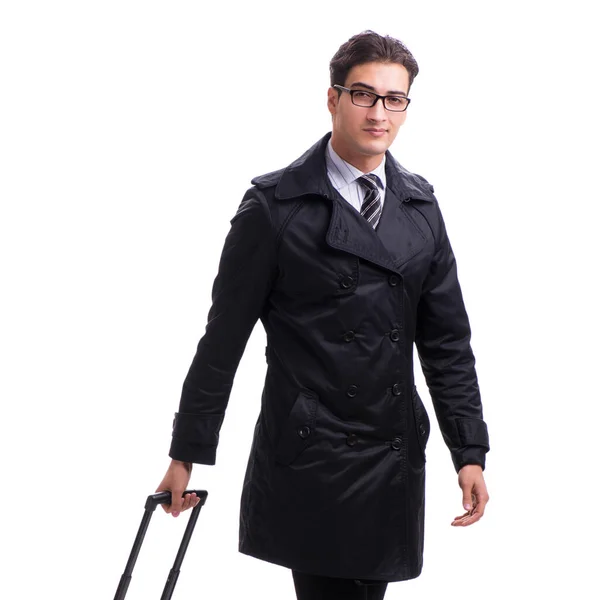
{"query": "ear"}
pixel 332 100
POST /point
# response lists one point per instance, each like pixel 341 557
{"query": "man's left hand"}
pixel 474 495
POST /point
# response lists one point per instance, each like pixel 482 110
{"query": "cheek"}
pixel 355 120
pixel 346 121
pixel 395 124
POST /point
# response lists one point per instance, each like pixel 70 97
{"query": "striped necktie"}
pixel 371 206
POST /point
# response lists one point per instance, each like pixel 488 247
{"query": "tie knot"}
pixel 369 180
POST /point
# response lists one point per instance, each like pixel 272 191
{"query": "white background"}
pixel 129 131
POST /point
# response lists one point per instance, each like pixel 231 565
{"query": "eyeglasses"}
pixel 369 99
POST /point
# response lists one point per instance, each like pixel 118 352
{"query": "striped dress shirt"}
pixel 343 177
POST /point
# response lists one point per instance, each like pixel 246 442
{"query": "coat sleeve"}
pixel 240 289
pixel 447 360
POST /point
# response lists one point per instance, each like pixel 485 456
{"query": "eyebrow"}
pixel 369 87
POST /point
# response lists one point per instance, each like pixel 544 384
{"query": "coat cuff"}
pixel 470 455
pixel 195 437
pixel 193 453
pixel 474 443
pixel 472 432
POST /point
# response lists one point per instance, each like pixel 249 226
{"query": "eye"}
pixel 395 100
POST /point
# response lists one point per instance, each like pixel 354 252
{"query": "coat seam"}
pixel 422 213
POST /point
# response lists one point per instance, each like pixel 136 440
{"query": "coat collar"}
pixel 396 238
pixel 308 175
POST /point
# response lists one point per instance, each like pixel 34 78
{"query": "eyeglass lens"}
pixel 366 99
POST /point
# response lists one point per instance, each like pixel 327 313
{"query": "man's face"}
pixel 362 135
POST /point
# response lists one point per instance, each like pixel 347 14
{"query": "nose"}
pixel 378 111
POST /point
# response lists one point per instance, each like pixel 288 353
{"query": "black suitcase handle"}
pixel 150 505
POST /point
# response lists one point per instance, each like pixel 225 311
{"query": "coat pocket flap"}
pixel 298 431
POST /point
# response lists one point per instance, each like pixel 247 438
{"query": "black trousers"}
pixel 317 587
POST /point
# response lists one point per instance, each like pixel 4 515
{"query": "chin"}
pixel 375 147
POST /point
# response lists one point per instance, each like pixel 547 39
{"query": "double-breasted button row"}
pixel 347 281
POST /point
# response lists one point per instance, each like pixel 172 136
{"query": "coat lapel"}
pixel 396 238
pixel 349 231
pixel 399 235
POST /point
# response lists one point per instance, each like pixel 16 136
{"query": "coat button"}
pixel 393 280
pixel 395 335
pixel 351 439
pixel 396 443
pixel 347 282
pixel 397 389
pixel 352 391
pixel 349 336
pixel 422 429
pixel 304 432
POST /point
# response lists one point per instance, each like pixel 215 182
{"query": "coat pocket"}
pixel 298 432
pixel 422 424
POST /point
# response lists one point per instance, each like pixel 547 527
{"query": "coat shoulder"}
pixel 268 180
pixel 417 181
pixel 414 185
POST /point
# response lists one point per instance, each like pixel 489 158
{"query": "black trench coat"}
pixel 335 479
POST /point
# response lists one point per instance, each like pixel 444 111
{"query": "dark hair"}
pixel 366 47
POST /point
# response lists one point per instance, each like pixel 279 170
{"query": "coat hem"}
pixel 289 564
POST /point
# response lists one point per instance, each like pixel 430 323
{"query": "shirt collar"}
pixel 343 173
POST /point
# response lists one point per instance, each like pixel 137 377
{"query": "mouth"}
pixel 375 131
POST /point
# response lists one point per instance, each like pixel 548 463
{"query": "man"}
pixel 344 257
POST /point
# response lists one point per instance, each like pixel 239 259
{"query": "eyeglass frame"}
pixel 377 97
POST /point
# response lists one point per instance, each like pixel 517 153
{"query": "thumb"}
pixel 467 498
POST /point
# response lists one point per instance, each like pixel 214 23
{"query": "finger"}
pixel 462 519
pixel 468 518
pixel 467 521
pixel 194 500
pixel 176 506
pixel 186 502
pixel 476 513
pixel 468 512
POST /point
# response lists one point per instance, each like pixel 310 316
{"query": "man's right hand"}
pixel 176 481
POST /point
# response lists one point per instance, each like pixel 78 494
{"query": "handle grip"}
pixel 166 498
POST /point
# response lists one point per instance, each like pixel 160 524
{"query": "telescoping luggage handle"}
pixel 150 505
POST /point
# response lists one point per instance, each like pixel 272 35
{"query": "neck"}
pixel 362 162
